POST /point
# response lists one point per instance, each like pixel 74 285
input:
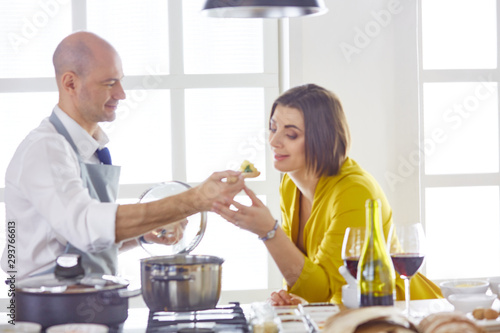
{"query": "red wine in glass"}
pixel 406 244
pixel 352 265
pixel 407 264
pixel 354 237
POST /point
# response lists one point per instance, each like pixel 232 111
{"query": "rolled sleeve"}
pixel 101 218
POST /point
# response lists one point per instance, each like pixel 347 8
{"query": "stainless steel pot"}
pixel 181 282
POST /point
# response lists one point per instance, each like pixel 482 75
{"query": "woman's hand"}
pixel 255 218
pixel 282 297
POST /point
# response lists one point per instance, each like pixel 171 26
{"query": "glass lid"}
pixel 178 237
pixel 53 284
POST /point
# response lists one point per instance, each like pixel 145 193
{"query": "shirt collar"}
pixel 85 143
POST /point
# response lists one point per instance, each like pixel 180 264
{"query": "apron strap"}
pixel 62 130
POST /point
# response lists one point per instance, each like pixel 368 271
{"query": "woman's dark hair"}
pixel 327 136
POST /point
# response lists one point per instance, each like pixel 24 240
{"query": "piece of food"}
pixel 482 313
pixel 478 313
pixel 447 322
pixel 490 314
pixel 465 285
pixel 249 170
pixel 371 319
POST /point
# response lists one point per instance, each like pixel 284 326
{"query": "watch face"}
pixel 271 234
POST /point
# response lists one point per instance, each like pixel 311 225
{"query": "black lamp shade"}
pixel 263 8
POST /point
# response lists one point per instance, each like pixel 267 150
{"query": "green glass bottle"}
pixel 376 275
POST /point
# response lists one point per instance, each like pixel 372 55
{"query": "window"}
pixel 459 133
pixel 199 92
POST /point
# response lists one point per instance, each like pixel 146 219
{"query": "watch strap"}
pixel 143 240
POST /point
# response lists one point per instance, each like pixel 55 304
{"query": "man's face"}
pixel 101 89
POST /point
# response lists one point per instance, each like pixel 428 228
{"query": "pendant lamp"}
pixel 263 8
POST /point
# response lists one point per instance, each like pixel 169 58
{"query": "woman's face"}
pixel 287 139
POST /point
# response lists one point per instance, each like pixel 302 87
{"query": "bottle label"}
pixel 372 300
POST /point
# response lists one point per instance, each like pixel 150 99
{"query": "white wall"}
pixel 366 53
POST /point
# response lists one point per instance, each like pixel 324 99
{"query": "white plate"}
pixel 487 324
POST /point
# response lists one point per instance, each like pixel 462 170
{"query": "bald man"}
pixel 60 197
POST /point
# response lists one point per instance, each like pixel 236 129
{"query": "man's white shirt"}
pixel 46 200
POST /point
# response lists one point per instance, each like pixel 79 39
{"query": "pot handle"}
pixel 120 293
pixel 125 293
pixel 179 277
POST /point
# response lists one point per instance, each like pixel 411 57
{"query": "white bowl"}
pixel 80 328
pixel 494 282
pixel 468 302
pixel 21 326
pixel 471 286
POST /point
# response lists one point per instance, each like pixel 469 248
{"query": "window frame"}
pixel 271 80
pixel 424 180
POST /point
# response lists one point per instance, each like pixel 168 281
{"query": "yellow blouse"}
pixel 339 203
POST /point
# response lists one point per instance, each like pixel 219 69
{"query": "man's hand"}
pixel 217 188
pixel 168 235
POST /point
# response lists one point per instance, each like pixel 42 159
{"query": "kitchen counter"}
pixel 137 320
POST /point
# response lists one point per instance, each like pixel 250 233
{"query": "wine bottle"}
pixel 376 275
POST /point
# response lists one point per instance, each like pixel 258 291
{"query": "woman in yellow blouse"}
pixel 323 192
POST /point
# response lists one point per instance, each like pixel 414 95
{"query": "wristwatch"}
pixel 270 234
pixel 143 240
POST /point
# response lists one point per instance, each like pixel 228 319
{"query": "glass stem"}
pixel 407 295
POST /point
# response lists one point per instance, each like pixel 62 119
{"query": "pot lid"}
pixel 51 284
pixel 180 237
pixel 69 278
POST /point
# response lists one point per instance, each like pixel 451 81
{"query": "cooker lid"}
pixel 69 278
pixel 50 284
pixel 179 237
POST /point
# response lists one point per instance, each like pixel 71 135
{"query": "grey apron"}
pixel 102 182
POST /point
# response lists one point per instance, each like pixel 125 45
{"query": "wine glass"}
pixel 352 245
pixel 406 244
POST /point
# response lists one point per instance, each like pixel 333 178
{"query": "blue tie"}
pixel 104 155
